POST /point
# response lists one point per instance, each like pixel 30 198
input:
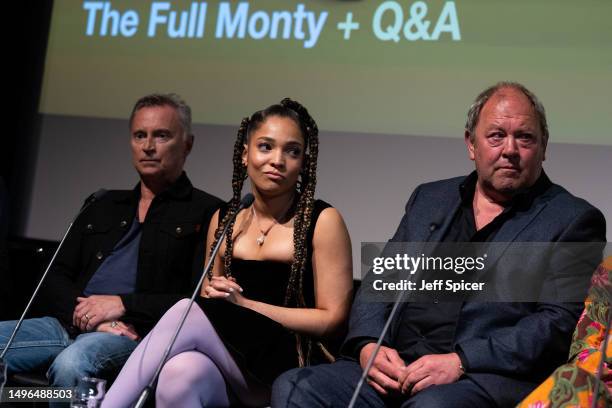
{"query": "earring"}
pixel 298 184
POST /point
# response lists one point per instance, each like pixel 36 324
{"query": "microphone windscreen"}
pixel 246 201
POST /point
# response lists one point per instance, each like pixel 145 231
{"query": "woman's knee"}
pixel 191 376
pixel 178 306
pixel 177 310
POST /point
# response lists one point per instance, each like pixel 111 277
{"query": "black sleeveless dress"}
pixel 261 346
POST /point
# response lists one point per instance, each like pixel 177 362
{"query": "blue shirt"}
pixel 117 274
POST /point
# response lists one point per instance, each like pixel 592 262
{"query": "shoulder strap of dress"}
pixel 319 206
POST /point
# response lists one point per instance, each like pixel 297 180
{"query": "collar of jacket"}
pixel 523 199
pixel 179 190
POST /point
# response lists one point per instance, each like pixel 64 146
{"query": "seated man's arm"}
pixel 144 309
pixel 535 345
pixel 57 297
pixel 540 338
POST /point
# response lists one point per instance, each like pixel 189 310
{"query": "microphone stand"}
pixel 94 197
pixel 398 300
pixel 370 362
pixel 246 201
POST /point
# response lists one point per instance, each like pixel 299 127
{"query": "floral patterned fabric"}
pixel 573 384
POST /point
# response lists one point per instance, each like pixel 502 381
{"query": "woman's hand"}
pixel 221 287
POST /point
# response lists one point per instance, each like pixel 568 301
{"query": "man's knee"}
pixel 68 367
pixel 308 386
pixel 462 394
pixel 430 400
pixel 98 355
pixel 284 387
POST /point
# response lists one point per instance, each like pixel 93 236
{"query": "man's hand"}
pixel 386 369
pixel 95 309
pixel 119 328
pixel 429 370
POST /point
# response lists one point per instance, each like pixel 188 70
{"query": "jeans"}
pixel 44 344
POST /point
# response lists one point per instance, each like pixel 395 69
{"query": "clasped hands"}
pixel 101 313
pixel 390 375
pixel 221 287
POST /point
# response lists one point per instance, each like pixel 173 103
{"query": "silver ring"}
pixel 113 324
pixel 86 316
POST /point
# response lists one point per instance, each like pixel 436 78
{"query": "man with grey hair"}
pixel 465 354
pixel 130 255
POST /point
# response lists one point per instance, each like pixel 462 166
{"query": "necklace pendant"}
pixel 261 239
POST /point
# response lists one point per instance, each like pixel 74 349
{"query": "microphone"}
pixel 433 226
pixel 90 200
pixel 246 201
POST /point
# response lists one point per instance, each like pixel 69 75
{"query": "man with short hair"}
pixel 470 354
pixel 130 255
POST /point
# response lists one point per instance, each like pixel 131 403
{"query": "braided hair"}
pixel 305 190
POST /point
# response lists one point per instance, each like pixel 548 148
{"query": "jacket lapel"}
pixel 509 232
pixel 446 214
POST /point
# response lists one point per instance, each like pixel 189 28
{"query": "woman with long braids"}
pixel 280 284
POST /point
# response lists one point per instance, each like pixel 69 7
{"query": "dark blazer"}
pixel 170 257
pixel 508 348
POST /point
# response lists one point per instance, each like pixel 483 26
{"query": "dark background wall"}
pixel 29 22
pixel 30 29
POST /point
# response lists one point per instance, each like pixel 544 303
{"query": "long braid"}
pixel 302 223
pixel 238 178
